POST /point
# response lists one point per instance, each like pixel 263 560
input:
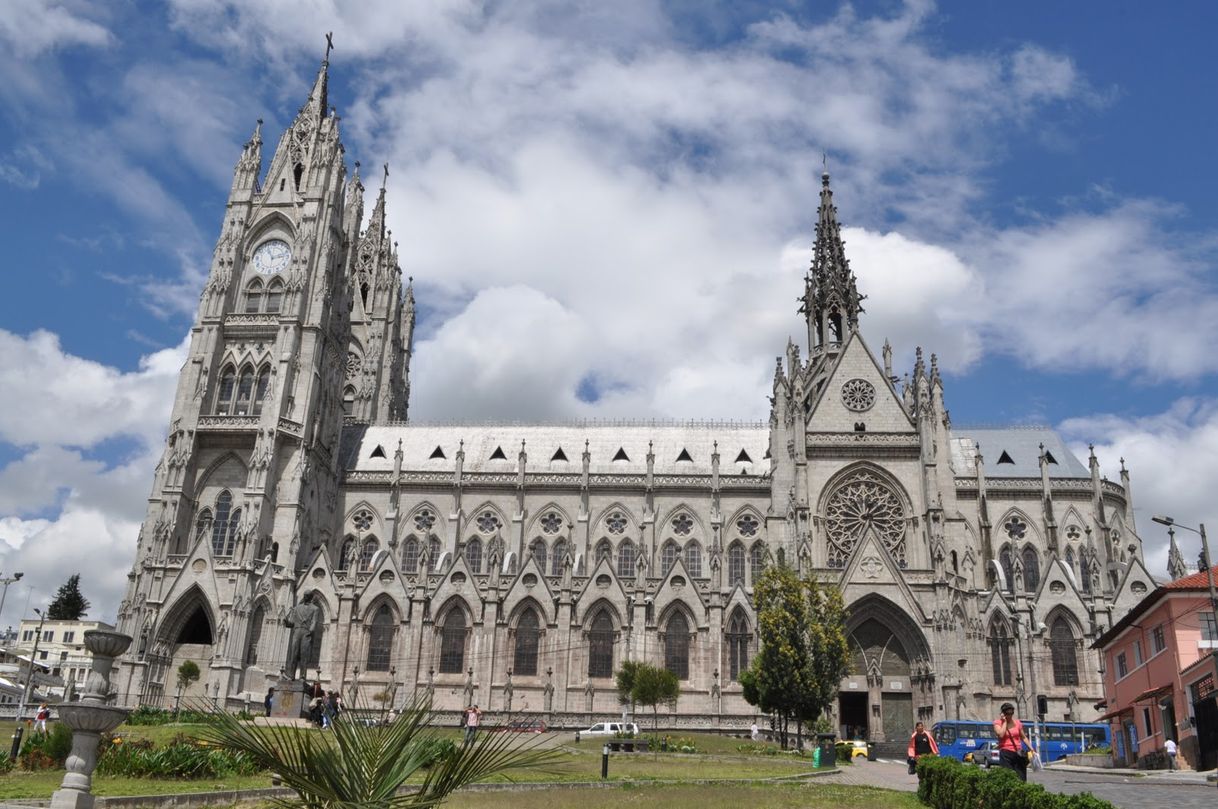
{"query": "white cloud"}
pixel 62 510
pixel 31 27
pixel 1170 459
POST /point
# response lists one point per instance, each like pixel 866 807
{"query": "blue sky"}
pixel 608 208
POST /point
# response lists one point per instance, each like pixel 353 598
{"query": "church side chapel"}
pixel 517 567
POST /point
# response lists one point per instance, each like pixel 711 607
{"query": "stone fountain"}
pixel 88 719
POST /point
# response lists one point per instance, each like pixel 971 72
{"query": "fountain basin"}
pixel 103 643
pixel 91 718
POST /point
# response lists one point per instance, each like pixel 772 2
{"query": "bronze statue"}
pixel 302 620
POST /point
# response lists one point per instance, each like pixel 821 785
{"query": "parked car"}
pixel 986 755
pixel 858 747
pixel 611 729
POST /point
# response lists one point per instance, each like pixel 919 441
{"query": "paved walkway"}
pixel 1124 789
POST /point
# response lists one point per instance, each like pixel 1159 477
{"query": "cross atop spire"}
pixel 329 46
pixel 831 301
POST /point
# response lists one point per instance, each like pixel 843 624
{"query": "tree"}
pixel 804 652
pixel 188 673
pixel 654 687
pixel 624 680
pixel 362 766
pixel 69 604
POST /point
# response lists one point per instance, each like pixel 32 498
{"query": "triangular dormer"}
pixel 558 455
pixel 684 456
pixel 437 453
pixel 498 455
pixel 621 455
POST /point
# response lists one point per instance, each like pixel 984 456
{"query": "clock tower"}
pixel 246 491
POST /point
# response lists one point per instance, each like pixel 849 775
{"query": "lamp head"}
pixel 1162 520
pixel 17 576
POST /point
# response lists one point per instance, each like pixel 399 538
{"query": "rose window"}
pixel 488 522
pixel 353 364
pixel 362 519
pixel 860 505
pixel 858 395
pixel 424 520
pixel 1015 528
pixel 616 522
pixel 551 522
pixel 747 525
pixel 683 524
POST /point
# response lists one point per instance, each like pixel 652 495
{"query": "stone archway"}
pixel 888 652
pixel 187 632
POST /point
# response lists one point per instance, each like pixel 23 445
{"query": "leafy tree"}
pixel 361 766
pixel 624 680
pixel 804 651
pixel 188 673
pixel 69 604
pixel 654 687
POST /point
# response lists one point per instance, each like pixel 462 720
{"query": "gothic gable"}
pixel 871 570
pixel 855 392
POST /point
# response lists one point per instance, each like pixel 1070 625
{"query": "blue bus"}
pixel 957 737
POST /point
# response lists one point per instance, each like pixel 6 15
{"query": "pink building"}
pixel 1159 676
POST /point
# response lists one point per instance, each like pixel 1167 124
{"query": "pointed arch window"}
pixel 1063 649
pixel 410 555
pixel 737 644
pixel 473 555
pixel 1084 570
pixel 219 530
pixel 274 296
pixel 625 559
pixel 224 393
pixel 380 639
pixel 693 559
pixel 604 550
pixel 245 392
pixel 260 388
pixel 560 556
pixel 347 554
pixel 538 552
pixel 600 646
pixel 1031 569
pixel 367 552
pixel 1000 652
pixel 735 564
pixel 203 524
pixel 255 636
pixel 348 401
pixel 1070 560
pixel 253 296
pixel 668 557
pixel 433 553
pixel 528 641
pixel 234 525
pixel 452 642
pixel 756 561
pixel 1007 562
pixel 676 646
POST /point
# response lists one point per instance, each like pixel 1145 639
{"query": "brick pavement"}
pixel 1123 791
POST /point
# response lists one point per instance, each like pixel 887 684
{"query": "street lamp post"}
pixel 19 731
pixel 6 581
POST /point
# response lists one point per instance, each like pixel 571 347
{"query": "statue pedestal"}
pixel 290 701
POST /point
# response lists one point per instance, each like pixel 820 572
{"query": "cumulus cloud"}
pixel 1170 458
pixel 65 508
pixel 30 27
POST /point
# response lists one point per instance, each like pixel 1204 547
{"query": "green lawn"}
pixel 21 784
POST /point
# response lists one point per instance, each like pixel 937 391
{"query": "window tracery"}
pixel 860 504
pixel 735 564
pixel 676 646
pixel 625 559
pixel 362 520
pixel 600 645
pixel 616 522
pixel 473 555
pixel 488 522
pixel 747 525
pixel 551 522
pixel 424 519
pixel 682 524
pixel 452 642
pixel 1015 528
pixel 380 639
pixel 528 642
pixel 858 395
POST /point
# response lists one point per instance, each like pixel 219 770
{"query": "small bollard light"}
pixel 604 762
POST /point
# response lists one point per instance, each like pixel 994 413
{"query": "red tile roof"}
pixel 1197 581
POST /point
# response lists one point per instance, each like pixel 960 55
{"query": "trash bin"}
pixel 871 751
pixel 827 744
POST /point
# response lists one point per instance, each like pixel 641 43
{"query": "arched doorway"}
pixel 187 632
pixel 878 695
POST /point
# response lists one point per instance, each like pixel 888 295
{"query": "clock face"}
pixel 272 257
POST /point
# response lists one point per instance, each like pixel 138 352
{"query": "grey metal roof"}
pixel 1021 445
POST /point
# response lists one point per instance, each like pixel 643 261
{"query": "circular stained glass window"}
pixel 858 395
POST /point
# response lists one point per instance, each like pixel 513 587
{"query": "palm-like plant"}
pixel 362 766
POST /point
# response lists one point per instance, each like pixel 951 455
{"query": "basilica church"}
pixel 517 567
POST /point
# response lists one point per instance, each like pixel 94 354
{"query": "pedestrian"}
pixel 40 718
pixel 472 717
pixel 754 732
pixel 921 744
pixel 270 698
pixel 1011 741
pixel 1169 747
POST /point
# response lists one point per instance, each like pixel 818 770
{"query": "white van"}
pixel 611 729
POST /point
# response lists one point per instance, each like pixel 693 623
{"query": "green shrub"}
pixel 182 758
pixel 845 753
pixel 46 751
pixel 437 750
pixel 145 715
pixel 944 783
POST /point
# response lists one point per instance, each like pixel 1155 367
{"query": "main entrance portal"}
pixel 877 696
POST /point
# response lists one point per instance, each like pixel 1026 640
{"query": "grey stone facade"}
pixel 517 566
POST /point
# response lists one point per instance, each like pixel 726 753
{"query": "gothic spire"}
pixel 1175 560
pixel 831 299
